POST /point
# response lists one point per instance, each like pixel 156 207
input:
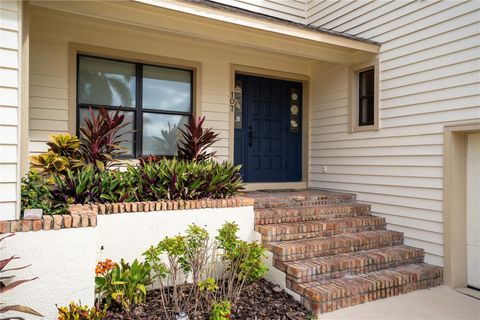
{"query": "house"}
pixel 381 99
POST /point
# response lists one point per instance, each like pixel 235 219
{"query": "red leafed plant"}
pixel 196 140
pixel 7 287
pixel 101 138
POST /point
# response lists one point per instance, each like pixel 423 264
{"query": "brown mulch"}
pixel 261 301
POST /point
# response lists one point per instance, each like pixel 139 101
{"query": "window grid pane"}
pixel 366 90
pixel 162 101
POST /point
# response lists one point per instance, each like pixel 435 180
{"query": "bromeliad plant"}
pixel 196 140
pixel 5 287
pixel 122 284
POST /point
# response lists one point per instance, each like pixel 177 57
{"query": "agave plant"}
pixel 196 140
pixel 7 287
pixel 101 137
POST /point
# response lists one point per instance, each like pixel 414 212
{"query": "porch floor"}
pixel 436 303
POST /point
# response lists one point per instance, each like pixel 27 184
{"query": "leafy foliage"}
pixel 78 312
pixel 4 286
pixel 63 151
pixel 124 284
pixel 100 138
pixel 36 194
pixel 196 140
pixel 221 310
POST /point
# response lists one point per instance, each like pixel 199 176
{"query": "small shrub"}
pixel 196 140
pixel 4 287
pixel 78 312
pixel 36 194
pixel 123 284
pixel 221 310
pixel 75 186
pixel 100 139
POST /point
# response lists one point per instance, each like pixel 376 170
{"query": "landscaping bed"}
pixel 263 300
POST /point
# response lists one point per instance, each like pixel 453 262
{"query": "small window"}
pixel 156 100
pixel 364 97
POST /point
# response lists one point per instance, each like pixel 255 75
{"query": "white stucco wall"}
pixel 65 260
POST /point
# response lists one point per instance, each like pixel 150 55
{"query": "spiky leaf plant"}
pixel 4 287
pixel 101 137
pixel 196 140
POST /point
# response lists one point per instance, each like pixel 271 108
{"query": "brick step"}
pixel 320 228
pixel 331 267
pixel 352 290
pixel 316 247
pixel 302 198
pixel 309 213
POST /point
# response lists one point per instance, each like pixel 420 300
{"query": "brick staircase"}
pixel 334 253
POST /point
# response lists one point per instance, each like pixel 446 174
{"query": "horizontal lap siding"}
pixel 10 37
pixel 49 78
pixel 429 76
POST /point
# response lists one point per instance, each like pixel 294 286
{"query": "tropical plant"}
pixel 36 194
pixel 100 139
pixel 124 284
pixel 243 261
pixel 75 186
pixel 4 287
pixel 196 140
pixel 63 151
pixel 81 312
pixel 221 310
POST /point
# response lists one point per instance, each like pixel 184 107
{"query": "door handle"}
pixel 250 136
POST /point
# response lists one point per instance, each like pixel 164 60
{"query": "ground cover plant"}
pixel 83 170
pixel 202 276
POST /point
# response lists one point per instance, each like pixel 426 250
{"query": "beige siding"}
pixel 292 10
pixel 429 76
pixel 49 78
pixel 10 34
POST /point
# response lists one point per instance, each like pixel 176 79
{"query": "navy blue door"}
pixel 268 129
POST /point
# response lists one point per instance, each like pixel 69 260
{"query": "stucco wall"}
pixel 64 260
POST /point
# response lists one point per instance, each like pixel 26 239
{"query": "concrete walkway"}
pixel 436 303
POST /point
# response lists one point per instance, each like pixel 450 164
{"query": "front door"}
pixel 268 129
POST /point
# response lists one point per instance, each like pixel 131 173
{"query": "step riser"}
pixel 322 233
pixel 329 252
pixel 350 271
pixel 304 202
pixel 340 303
pixel 264 217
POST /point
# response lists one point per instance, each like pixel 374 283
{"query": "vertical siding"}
pixel 49 101
pixel 10 37
pixel 429 76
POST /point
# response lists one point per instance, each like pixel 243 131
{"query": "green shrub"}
pixel 78 312
pixel 221 310
pixel 125 284
pixel 36 194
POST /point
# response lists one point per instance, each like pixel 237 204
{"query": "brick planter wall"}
pixel 82 216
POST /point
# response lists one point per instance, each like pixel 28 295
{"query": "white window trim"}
pixel 353 96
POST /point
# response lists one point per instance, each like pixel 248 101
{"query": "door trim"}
pixel 281 75
pixel 454 201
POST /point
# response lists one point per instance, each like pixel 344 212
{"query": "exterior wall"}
pixel 293 10
pixel 49 69
pixel 73 253
pixel 10 57
pixel 429 76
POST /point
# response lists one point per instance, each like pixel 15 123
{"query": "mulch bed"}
pixel 260 302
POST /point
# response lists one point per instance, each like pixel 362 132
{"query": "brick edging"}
pixel 82 216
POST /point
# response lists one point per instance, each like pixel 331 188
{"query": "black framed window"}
pixel 156 100
pixel 366 103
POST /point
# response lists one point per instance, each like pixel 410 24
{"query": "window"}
pixel 364 97
pixel 156 100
